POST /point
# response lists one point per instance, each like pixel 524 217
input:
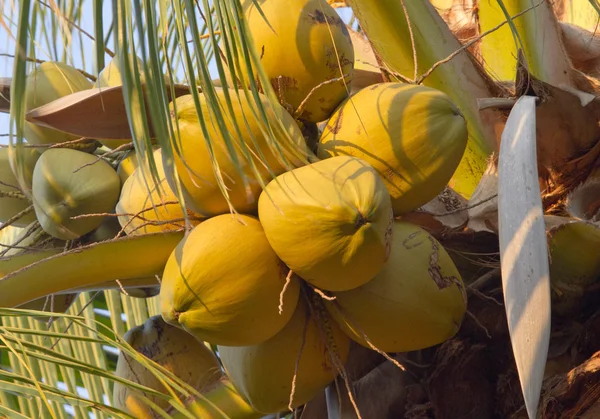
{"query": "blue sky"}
pixel 7 44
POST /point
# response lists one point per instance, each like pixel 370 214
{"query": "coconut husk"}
pixel 459 385
pixel 474 252
pixel 379 388
pixel 574 394
pixel 567 135
pixel 483 205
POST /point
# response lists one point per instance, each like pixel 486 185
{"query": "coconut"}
pixel 13 198
pixel 264 373
pixel 69 183
pixel 22 163
pixel 302 45
pixel 155 202
pixel 107 230
pixel 413 135
pixel 223 283
pixel 194 166
pixel 110 76
pixel 330 222
pixel 50 81
pixel 417 300
pixel 173 349
pixel 127 165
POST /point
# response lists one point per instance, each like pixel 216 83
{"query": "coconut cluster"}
pixel 316 254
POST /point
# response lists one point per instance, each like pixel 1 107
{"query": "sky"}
pixel 7 44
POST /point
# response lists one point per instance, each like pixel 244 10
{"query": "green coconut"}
pixel 14 194
pixel 50 81
pixel 69 183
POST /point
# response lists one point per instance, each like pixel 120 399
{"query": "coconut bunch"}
pixel 287 248
pixel 321 255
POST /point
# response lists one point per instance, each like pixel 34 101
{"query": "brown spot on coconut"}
pixel 416 301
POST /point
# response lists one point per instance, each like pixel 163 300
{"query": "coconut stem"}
pixel 319 312
pixel 13 194
pixel 122 147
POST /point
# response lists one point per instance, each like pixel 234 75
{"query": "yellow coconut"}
pixel 223 283
pixel 50 80
pixel 330 222
pixel 146 206
pixel 128 165
pixel 110 76
pixel 173 349
pixel 303 44
pixel 69 183
pixel 414 136
pixel 13 197
pixel 418 299
pixel 194 167
pixel 263 373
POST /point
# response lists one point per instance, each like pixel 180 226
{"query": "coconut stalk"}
pixel 410 51
pixel 26 278
pixel 523 250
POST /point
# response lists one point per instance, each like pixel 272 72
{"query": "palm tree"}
pixel 517 217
